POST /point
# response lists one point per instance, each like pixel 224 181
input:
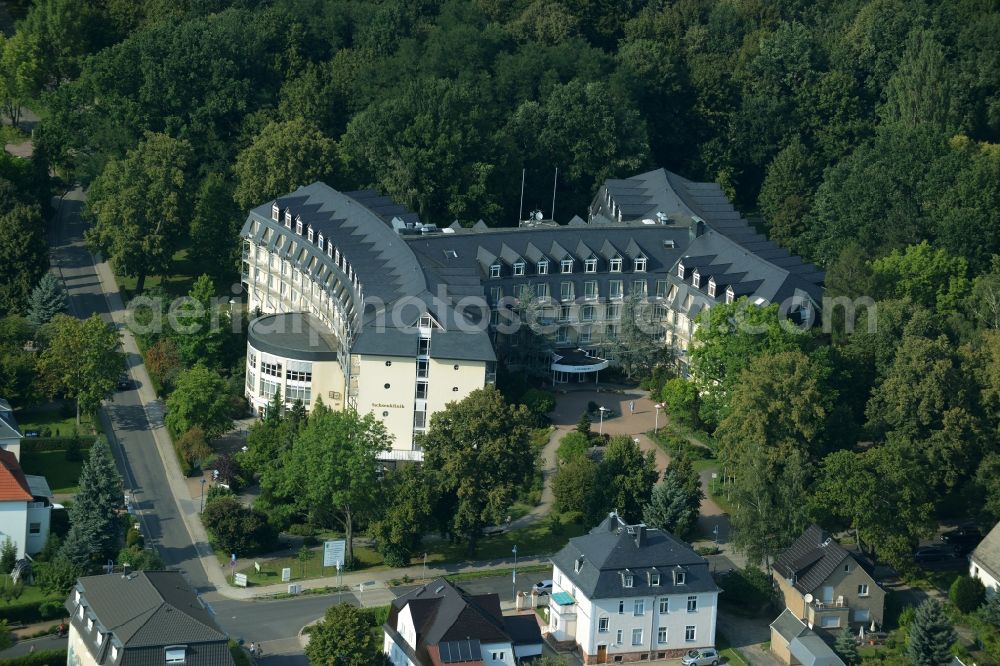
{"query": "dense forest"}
pixel 863 135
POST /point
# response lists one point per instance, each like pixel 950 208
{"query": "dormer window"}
pixel 590 265
pixel 578 564
pixel 80 612
pixel 174 654
pixel 616 265
pixel 311 236
pixel 640 264
pixel 696 278
pixel 680 271
pixel 680 577
pixel 628 580
pixel 298 226
pixel 329 249
pixel 519 268
pixel 76 597
pixel 288 219
pixel 100 638
pixel 114 653
pixel 495 271
pixel 90 624
pixel 711 287
pixel 654 579
pixel 543 267
pixel 566 265
pixel 730 295
pixel 275 212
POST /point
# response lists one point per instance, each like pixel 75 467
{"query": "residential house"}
pixel 825 585
pixel 792 643
pixel 10 433
pixel 144 618
pixel 25 506
pixel 984 563
pixel 438 624
pixel 631 593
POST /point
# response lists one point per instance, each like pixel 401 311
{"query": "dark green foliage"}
pixel 967 593
pixel 846 646
pixel 59 576
pixel 40 658
pixel 583 425
pixel 96 530
pixel 8 556
pixel 748 589
pixel 23 254
pixel 344 636
pixel 624 480
pixel 680 398
pixel 236 528
pixel 406 517
pixel 539 402
pixel 676 500
pixel 991 610
pixel 199 400
pixel 573 485
pixel 573 446
pixel 74 449
pixel 931 636
pixel 139 558
pixel 47 300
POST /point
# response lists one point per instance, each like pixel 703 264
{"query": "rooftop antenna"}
pixel 520 210
pixel 554 181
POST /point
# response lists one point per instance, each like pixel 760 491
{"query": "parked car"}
pixel 124 382
pixel 963 539
pixel 934 554
pixel 703 657
pixel 542 587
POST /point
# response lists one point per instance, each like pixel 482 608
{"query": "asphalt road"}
pixel 143 470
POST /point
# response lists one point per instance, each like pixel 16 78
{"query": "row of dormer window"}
pixel 653 577
pixel 712 287
pixel 566 266
pixel 100 634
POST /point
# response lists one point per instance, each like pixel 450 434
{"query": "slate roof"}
pixel 811 559
pixel 13 485
pixel 613 547
pixel 143 613
pixel 987 553
pixel 454 624
pixel 8 424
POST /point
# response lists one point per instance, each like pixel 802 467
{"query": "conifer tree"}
pixel 931 636
pixel 846 647
pixel 46 300
pixel 95 528
pixel 676 499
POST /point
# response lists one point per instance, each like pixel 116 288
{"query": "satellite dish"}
pixel 808 598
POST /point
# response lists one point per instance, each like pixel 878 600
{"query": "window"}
pixel 680 271
pixel 495 271
pixel 519 268
pixel 293 393
pixel 692 604
pixel 640 264
pixel 590 289
pixel 497 656
pixel 602 625
pixel 616 265
pixel 288 219
pixel 611 332
pixel 615 289
pixel 639 288
pixel 268 387
pixel 661 635
pixel 618 638
pixel 419 420
pixel 310 235
pixel 566 265
pixel 587 313
pixel 423 347
pixel 711 287
pixel 639 607
pixel 299 376
pixel 577 565
pixel 100 638
pixel 252 360
pixel 830 621
pixel 621 607
pixel 847 568
pixel 627 580
pixel 590 265
pixel 298 227
pixel 730 295
pixel 542 290
pixel 654 579
pixel 496 293
pixel 586 333
pixel 34 528
pixel 423 366
pixel 273 369
pixel 696 278
pixel 175 655
pixel 562 335
pixel 661 288
pixel 564 312
pixel 387 385
pixel 689 633
pixel 664 606
pixel 114 652
pixel 275 212
pixel 566 291
pixel 614 312
pixel 321 241
pixel 542 267
pixel 863 590
pixel 637 637
pixel 90 624
pixel 421 390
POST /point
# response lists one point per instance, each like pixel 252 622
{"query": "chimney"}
pixel 640 536
pixel 613 521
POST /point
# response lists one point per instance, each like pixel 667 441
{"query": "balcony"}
pixel 837 604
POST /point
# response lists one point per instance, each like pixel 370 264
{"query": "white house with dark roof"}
pixel 437 624
pixel 984 562
pixel 146 618
pixel 631 593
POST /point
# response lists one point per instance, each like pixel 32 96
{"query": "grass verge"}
pixel 63 475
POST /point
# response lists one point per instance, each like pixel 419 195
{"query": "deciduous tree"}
pixel 24 255
pixel 624 481
pixel 199 399
pixel 406 516
pixel 344 637
pixel 573 485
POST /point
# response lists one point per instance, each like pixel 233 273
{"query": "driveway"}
pixel 746 635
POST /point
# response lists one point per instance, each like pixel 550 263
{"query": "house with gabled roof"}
pixel 145 618
pixel 793 643
pixel 631 593
pixel 825 585
pixel 984 562
pixel 437 624
pixel 10 433
pixel 25 506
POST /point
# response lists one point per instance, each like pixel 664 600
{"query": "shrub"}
pixel 238 529
pixel 8 556
pixel 573 446
pixel 41 658
pixel 38 444
pixel 967 594
pixel 747 589
pixel 680 397
pixel 539 402
pixel 301 529
pixel 31 612
pixel 215 492
pixel 192 449
pixel 74 449
pixel 133 538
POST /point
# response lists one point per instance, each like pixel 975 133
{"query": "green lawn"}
pixel 60 419
pixel 270 568
pixel 29 594
pixel 63 475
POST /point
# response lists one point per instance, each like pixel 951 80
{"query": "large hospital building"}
pixel 363 305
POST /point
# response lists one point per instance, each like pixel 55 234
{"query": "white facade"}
pixel 39 518
pixel 14 524
pixel 619 627
pixel 985 576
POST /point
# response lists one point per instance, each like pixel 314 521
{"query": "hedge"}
pixel 42 658
pixel 55 443
pixel 34 611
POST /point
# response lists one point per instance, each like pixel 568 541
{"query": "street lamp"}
pixel 656 423
pixel 602 409
pixel 513 578
pixel 203 495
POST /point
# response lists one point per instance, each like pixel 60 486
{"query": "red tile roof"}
pixel 13 485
